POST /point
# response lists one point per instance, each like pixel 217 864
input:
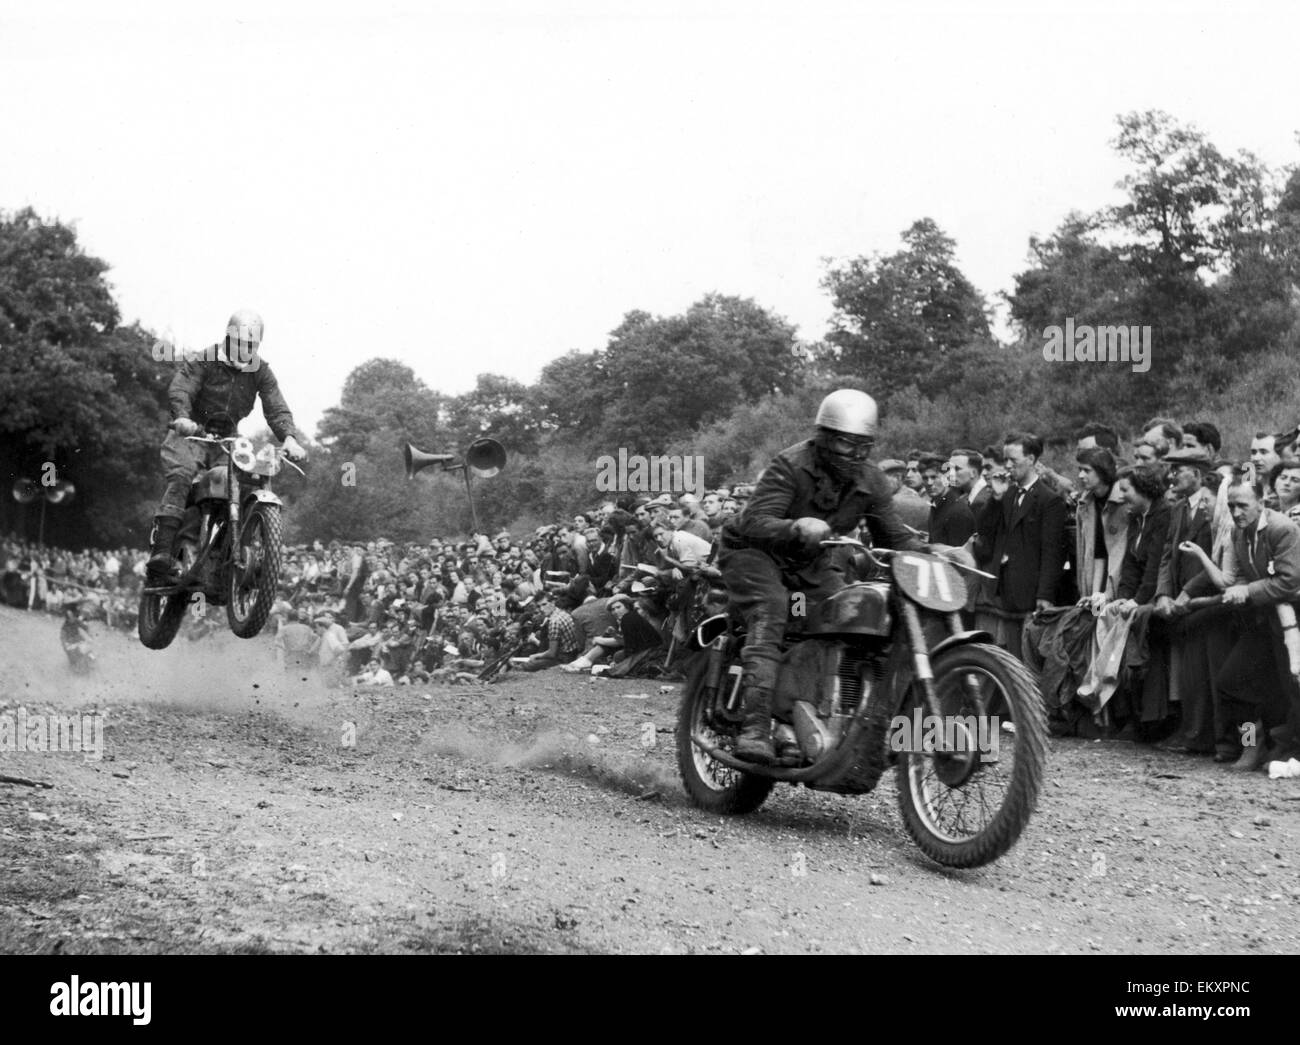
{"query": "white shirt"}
pixel 688 549
pixel 333 641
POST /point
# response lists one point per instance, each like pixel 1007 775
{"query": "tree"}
pixel 1203 252
pixel 670 375
pixel 499 407
pixel 572 393
pixel 77 391
pixel 382 399
pixel 898 318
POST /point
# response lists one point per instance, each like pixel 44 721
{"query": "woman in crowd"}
pixel 1285 481
pixel 1143 490
pixel 1101 530
pixel 630 646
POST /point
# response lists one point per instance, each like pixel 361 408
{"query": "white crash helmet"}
pixel 243 338
pixel 849 411
pixel 245 325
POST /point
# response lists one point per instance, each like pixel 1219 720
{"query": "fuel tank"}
pixel 212 485
pixel 858 609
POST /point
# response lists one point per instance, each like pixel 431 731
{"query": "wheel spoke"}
pixel 960 812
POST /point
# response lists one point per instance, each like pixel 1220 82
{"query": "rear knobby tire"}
pixel 160 616
pixel 251 589
pixel 713 787
pixel 923 797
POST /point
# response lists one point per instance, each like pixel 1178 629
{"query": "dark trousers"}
pixel 1187 655
pixel 764 595
pixel 1254 682
pixel 181 463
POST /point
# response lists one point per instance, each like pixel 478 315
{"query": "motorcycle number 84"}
pixel 929 581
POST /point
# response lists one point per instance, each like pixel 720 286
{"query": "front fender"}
pixel 265 497
pixel 904 672
pixel 962 638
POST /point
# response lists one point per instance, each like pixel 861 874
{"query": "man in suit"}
pixel 965 474
pixel 1190 520
pixel 1021 536
pixel 951 520
pixel 1181 670
pixel 1254 681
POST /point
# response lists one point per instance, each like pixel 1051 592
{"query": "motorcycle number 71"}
pixel 930 581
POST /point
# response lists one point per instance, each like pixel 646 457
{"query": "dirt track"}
pixel 229 812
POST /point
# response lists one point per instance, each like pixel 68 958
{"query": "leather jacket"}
pixel 218 396
pixel 795 486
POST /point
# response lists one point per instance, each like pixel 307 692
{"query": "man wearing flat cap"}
pixel 1190 520
pixel 1181 645
pixel 909 506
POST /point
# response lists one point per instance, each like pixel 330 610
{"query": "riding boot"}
pixel 1253 756
pixel 755 743
pixel 163 565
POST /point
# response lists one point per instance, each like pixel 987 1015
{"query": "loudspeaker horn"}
pixel 417 459
pixel 485 457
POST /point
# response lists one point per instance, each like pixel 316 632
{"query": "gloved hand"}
pixel 293 449
pixel 810 531
pixel 184 426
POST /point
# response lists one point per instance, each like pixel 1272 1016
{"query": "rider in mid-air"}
pixel 213 394
pixel 823 486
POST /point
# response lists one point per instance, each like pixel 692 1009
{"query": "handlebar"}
pixel 871 554
pixel 222 440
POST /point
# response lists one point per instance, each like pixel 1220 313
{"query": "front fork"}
pixel 921 660
pixel 920 657
pixel 925 675
pixel 241 557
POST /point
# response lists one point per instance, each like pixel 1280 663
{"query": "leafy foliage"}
pixel 900 318
pixel 76 390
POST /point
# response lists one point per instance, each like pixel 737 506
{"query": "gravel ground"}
pixel 235 809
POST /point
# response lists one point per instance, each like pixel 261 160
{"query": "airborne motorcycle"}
pixel 883 672
pixel 229 545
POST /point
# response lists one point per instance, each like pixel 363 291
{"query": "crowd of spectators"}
pixel 1153 594
pixel 106 584
pixel 612 591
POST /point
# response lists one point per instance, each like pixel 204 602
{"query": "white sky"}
pixel 483 186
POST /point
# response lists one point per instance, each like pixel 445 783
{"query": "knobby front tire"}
pixel 966 813
pixel 251 587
